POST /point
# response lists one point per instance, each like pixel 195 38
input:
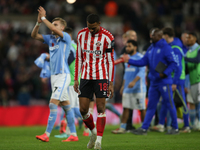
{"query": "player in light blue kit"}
pixel 134 87
pixel 59 47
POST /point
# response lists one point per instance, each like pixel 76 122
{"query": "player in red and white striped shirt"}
pixel 95 63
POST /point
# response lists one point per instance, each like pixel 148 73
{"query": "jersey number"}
pixel 104 86
pixel 55 88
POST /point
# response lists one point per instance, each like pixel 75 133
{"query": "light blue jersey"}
pixel 131 72
pixel 59 49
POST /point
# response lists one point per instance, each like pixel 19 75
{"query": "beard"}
pixel 130 52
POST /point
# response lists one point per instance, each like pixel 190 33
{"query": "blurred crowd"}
pixel 19 77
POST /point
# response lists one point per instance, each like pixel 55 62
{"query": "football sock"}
pixel 99 138
pixel 110 107
pixel 91 110
pixel 70 119
pixel 77 112
pixel 123 125
pixel 101 122
pixel 192 116
pixel 88 120
pixel 52 118
pixel 197 106
pixel 61 116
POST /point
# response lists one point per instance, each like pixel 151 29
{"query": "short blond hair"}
pixel 62 21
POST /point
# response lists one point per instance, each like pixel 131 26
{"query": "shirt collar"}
pixel 193 47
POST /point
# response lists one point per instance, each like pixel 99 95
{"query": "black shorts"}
pixel 89 87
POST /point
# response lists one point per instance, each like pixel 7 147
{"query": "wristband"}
pixel 42 18
pixel 38 24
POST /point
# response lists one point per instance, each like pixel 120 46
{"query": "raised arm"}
pixel 34 33
pixel 42 13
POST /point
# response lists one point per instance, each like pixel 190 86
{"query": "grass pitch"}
pixel 23 138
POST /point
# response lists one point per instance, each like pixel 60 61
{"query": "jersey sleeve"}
pixel 178 70
pixel 140 62
pixel 78 62
pixel 66 37
pixel 46 39
pixel 110 58
pixel 170 58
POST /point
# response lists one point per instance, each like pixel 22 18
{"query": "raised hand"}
pixel 42 11
pixel 39 18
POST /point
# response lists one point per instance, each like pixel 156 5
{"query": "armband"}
pixel 109 50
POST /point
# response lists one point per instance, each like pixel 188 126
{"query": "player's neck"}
pixel 134 52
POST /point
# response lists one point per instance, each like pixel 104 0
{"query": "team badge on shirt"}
pixel 164 88
pixel 98 44
pixel 158 51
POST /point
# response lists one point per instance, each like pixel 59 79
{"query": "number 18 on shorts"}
pixel 89 87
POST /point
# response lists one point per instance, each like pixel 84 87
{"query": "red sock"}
pixel 101 122
pixel 89 122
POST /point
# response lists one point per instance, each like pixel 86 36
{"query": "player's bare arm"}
pixel 122 88
pixel 76 86
pixel 132 83
pixel 34 33
pixel 52 27
pixel 111 89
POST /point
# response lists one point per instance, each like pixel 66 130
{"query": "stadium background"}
pixel 20 85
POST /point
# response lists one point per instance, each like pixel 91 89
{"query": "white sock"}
pixel 74 134
pixel 94 131
pixel 47 133
pixel 99 138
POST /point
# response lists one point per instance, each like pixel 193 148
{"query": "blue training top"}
pixel 158 52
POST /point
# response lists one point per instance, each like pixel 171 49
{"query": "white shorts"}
pixel 59 84
pixel 73 97
pixel 194 94
pixel 134 101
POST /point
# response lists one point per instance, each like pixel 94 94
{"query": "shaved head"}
pixel 131 35
pixel 156 35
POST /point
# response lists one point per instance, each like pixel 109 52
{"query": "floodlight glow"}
pixel 71 1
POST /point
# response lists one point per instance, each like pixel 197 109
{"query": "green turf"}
pixel 23 138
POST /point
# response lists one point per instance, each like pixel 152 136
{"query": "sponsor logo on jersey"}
pixel 54 47
pixel 93 52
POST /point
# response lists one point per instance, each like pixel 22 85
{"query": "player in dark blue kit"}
pixel 158 53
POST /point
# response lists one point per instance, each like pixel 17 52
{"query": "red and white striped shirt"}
pixel 92 60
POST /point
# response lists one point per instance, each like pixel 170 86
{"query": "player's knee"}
pixel 53 107
pixel 83 111
pixel 100 108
